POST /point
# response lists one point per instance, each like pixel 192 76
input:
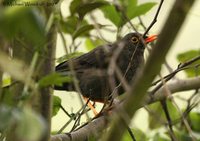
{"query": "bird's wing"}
pixel 96 58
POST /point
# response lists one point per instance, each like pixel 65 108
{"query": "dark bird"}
pixel 107 68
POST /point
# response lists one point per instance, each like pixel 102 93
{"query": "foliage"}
pixel 30 22
pixel 29 125
pixel 195 121
pixel 69 56
pixel 138 134
pixel 130 9
pixel 154 122
pixel 56 105
pixel 25 28
pixel 54 79
pixel 82 8
pixel 91 44
pixel 76 25
pixel 185 56
pixel 22 34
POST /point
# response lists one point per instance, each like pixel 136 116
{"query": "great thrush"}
pixel 94 69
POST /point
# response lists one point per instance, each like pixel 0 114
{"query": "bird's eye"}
pixel 134 40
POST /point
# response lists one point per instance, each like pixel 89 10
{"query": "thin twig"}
pixel 181 67
pixel 149 72
pixel 155 18
pixel 101 121
pixel 163 103
pixel 69 115
pixel 130 133
pixel 77 121
pixel 71 67
pixel 142 23
pixel 185 122
pixel 96 26
pixel 125 17
pixel 72 117
pixel 167 115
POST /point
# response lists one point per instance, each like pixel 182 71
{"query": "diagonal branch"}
pixel 100 123
pixel 154 20
pixel 175 86
pixel 83 133
pixel 143 82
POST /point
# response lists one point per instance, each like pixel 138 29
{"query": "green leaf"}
pixel 74 6
pixel 135 11
pixel 159 137
pixel 111 14
pixel 34 23
pixel 6 81
pixel 91 44
pixel 6 118
pixel 92 138
pixel 83 30
pixel 182 136
pixel 131 10
pixel 195 121
pixel 55 132
pixel 131 5
pixel 69 24
pixel 128 3
pixel 22 20
pixel 82 8
pixel 88 7
pixel 138 134
pixel 160 115
pixel 56 105
pixel 186 56
pixel 7 97
pixel 69 56
pixel 54 79
pixel 30 126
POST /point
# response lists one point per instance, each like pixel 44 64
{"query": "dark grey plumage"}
pixel 92 68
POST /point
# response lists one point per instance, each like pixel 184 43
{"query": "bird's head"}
pixel 137 40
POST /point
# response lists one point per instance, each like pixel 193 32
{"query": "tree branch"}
pixel 91 128
pixel 151 69
pixel 100 123
pixel 154 20
pixel 175 86
pixel 48 65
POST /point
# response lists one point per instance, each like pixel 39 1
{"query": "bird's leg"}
pixel 91 106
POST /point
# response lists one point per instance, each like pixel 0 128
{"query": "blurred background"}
pixel 187 39
pixel 31 30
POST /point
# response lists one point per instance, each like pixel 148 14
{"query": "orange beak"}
pixel 150 38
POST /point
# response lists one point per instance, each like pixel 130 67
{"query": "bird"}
pixel 106 68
